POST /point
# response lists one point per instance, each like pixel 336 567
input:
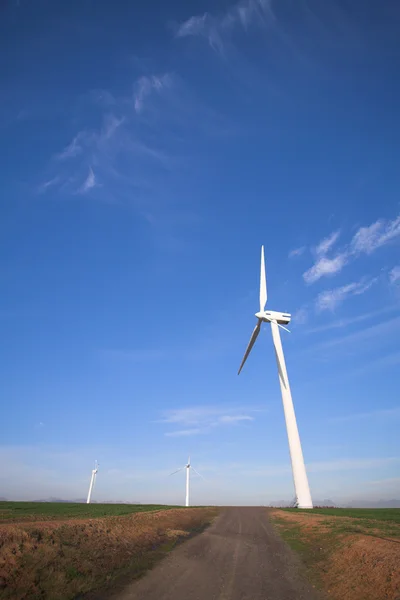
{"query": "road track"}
pixel 240 557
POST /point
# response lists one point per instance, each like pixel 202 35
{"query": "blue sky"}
pixel 148 150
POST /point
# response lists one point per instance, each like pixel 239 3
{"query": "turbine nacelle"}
pixel 272 315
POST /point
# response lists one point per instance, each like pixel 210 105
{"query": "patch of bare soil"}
pixel 365 568
pixel 308 522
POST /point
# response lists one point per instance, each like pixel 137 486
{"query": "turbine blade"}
pixel 253 338
pixel 278 355
pixel 173 473
pixel 197 473
pixel 263 283
pixel 279 325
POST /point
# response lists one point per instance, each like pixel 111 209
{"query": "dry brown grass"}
pixel 353 560
pixel 59 560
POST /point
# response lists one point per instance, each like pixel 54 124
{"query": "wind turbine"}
pixel 92 481
pixel 188 466
pixel 277 320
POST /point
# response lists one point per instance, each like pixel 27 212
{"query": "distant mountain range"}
pixel 73 501
pixel 377 504
pixel 285 503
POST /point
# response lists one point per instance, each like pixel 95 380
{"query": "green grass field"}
pixel 376 514
pixel 24 511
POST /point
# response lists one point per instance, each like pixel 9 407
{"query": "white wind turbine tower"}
pixel 278 319
pixel 188 466
pixel 92 481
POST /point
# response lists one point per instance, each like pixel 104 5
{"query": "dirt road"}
pixel 240 557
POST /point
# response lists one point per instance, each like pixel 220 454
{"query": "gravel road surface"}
pixel 240 557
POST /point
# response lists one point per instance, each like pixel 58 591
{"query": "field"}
pixel 61 551
pixel 43 511
pixel 353 554
pixel 375 514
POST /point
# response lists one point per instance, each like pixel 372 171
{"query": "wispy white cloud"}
pixel 331 299
pixel 108 152
pixel 215 29
pixel 147 85
pixel 325 266
pixel 300 316
pixel 235 418
pixel 144 138
pixel 73 149
pixel 187 432
pixel 327 243
pixel 191 416
pixel 195 25
pixel 203 419
pixel 297 252
pixel 92 141
pixel 394 275
pixel 366 240
pixel 89 183
pixel 43 187
pixel 205 26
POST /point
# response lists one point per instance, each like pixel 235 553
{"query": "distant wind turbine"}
pixel 92 481
pixel 277 320
pixel 188 466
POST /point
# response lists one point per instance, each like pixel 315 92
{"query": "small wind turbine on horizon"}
pixel 92 481
pixel 278 320
pixel 188 466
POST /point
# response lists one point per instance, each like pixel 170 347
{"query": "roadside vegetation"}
pixel 66 559
pixel 352 554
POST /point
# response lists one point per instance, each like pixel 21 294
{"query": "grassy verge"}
pixel 350 554
pixel 65 560
pixel 314 550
